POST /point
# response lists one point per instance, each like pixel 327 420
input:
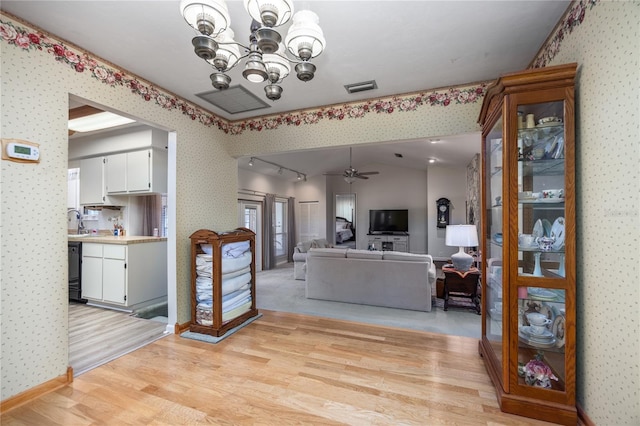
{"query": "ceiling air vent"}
pixel 234 100
pixel 361 87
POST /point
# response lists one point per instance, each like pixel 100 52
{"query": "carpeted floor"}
pixel 277 290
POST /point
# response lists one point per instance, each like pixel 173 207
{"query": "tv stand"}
pixel 391 241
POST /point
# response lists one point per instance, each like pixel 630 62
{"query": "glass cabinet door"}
pixel 540 241
pixel 493 251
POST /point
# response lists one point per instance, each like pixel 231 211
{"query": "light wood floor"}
pixel 98 335
pixel 284 369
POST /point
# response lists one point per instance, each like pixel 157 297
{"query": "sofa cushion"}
pixel 327 252
pixel 304 246
pixel 407 257
pixel 320 243
pixel 364 254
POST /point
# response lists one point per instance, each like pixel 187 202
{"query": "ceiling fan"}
pixel 350 174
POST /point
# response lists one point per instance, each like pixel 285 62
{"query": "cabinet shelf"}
pixel 553 167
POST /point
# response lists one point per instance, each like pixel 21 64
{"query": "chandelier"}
pixel 267 58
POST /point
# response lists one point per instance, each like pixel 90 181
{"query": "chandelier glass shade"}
pixel 267 58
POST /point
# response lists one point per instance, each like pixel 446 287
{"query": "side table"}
pixel 461 284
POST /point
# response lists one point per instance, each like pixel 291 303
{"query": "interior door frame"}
pixel 259 205
pixel 353 213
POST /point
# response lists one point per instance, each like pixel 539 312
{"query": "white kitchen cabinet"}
pixel 114 273
pixel 116 173
pixel 124 276
pixel 137 172
pixel 93 185
pixel 92 188
pixel 92 271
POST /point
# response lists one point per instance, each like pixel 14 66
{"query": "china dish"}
pixel 544 344
pixel 551 119
pixel 547 227
pixel 550 124
pixel 538 229
pixel 545 336
pixel 542 294
pixel 557 232
pixel 550 200
pixel 558 330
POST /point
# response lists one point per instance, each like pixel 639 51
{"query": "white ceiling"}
pixel 405 46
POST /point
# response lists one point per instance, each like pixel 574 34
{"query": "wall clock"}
pixel 443 212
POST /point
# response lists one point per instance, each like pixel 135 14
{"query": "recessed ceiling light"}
pixel 434 140
pixel 102 120
pixel 432 160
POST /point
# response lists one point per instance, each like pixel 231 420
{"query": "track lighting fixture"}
pixel 299 175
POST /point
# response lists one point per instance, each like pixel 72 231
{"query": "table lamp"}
pixel 461 236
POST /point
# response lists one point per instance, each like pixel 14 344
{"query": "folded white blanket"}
pixel 234 301
pixel 232 284
pixel 236 273
pixel 204 286
pixel 233 294
pixel 235 264
pixel 235 250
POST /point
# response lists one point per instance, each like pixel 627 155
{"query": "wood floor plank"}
pixel 284 369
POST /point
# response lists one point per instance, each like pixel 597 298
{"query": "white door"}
pixel 250 216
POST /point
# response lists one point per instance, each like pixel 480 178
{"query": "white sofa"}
pixel 379 278
pixel 300 255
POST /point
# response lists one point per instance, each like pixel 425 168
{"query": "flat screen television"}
pixel 388 221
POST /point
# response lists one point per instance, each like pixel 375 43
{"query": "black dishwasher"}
pixel 75 271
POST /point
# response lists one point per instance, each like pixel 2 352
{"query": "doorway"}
pixel 345 220
pixel 250 216
pixel 161 323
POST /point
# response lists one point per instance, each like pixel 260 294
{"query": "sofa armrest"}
pixel 432 274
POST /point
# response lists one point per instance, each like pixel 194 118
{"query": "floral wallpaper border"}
pixel 85 63
pixel 572 19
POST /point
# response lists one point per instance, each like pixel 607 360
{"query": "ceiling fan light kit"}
pixel 266 56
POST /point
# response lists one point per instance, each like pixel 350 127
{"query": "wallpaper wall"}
pixel 606 45
pixel 35 101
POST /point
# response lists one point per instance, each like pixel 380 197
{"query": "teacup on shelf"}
pixel 546 243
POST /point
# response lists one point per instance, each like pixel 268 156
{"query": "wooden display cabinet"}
pixel 528 242
pixel 216 321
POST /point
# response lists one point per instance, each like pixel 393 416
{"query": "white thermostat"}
pixel 19 150
pixel 22 151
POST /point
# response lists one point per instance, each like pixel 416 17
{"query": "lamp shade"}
pixel 272 13
pixel 461 236
pixel 305 39
pixel 208 17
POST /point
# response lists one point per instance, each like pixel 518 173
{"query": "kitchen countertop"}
pixel 110 239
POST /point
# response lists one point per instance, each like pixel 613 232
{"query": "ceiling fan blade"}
pixel 369 173
pixel 359 176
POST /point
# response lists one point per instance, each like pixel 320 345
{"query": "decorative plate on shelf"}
pixel 538 229
pixel 558 330
pixel 550 124
pixel 542 294
pixel 557 232
pixel 547 227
